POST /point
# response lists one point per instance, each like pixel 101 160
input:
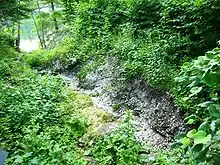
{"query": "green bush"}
pixel 146 58
pixel 42 120
pixel 97 17
pixel 45 58
pixel 195 19
pixel 11 69
pixel 199 86
pixel 36 128
pixel 145 13
pixel 118 147
pixel 6 47
pixel 151 39
pixel 168 157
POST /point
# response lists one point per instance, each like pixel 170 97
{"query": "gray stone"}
pixel 157 119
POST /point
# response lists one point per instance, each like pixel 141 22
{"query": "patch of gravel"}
pixel 156 118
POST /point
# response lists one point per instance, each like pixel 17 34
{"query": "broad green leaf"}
pixel 197 147
pixel 191 121
pixel 191 117
pixel 201 138
pixel 195 90
pixel 204 126
pixel 202 154
pixel 194 83
pixel 185 141
pixel 191 133
pixel 214 110
pixel 211 80
pixel 185 99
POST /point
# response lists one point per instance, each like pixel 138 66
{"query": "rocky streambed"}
pixel 156 118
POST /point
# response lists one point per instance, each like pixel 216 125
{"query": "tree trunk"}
pixel 55 20
pixel 18 39
pixel 42 28
pixel 13 30
pixel 13 34
pixel 37 29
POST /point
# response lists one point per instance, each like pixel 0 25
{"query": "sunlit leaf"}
pixel 191 133
pixel 185 141
pixel 195 90
pixel 201 138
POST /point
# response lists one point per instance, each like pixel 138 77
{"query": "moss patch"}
pixel 82 106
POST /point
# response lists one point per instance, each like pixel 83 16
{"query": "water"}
pixel 29 38
pixel 29 45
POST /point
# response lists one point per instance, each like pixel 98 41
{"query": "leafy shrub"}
pixel 167 157
pixel 36 127
pixel 12 69
pixel 41 122
pixel 200 83
pixel 195 19
pixel 97 17
pixel 118 147
pixel 44 58
pixel 53 145
pixel 6 47
pixel 145 13
pixel 145 58
pixel 70 53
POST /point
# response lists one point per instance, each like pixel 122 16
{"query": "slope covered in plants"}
pixel 170 45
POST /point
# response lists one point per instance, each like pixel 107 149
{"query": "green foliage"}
pixel 42 120
pixel 6 46
pixel 119 147
pixel 12 70
pixel 76 54
pixel 145 58
pixel 168 157
pixel 11 10
pixel 151 43
pixel 199 86
pixel 150 39
pixel 201 79
pixel 145 13
pixel 196 19
pixel 96 17
pixel 63 53
pixel 36 126
pixel 193 19
pixel 54 145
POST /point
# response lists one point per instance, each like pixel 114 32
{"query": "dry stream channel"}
pixel 156 118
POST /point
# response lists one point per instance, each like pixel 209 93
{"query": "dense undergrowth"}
pixel 153 40
pixel 42 121
pixel 171 44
